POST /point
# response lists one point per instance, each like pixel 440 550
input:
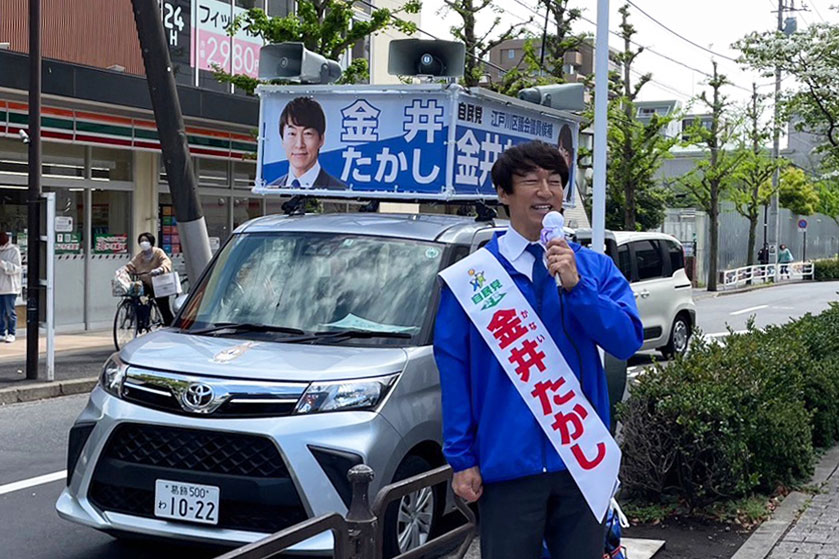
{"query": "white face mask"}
pixel 145 246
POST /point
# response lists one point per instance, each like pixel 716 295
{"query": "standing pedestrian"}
pixel 784 258
pixel 763 255
pixel 501 452
pixel 10 284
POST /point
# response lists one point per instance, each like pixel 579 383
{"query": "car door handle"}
pixel 645 294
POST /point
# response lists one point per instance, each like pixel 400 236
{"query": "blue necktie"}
pixel 295 183
pixel 539 275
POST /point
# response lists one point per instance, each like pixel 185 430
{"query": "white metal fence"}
pixel 738 277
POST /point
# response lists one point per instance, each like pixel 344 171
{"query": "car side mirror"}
pixel 178 303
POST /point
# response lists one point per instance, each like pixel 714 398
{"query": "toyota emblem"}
pixel 198 397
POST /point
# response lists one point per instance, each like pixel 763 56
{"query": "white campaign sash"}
pixel 532 360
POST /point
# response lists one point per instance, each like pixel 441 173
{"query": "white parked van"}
pixel 654 264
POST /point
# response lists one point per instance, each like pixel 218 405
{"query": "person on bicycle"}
pixel 149 262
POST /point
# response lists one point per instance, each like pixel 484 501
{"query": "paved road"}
pixel 771 305
pixel 33 440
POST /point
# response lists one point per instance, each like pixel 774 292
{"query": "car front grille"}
pixel 195 450
pixel 231 398
pixel 255 490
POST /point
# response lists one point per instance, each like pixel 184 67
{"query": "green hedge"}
pixel 728 420
pixel 826 269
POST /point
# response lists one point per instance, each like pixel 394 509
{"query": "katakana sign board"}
pixel 409 142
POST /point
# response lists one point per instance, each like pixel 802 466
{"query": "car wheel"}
pixel 679 338
pixel 410 521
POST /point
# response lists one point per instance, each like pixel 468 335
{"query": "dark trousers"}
pixel 165 310
pixel 516 515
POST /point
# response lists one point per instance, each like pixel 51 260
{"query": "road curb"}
pixel 763 540
pixel 43 390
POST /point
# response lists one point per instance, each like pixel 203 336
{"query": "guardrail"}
pixel 763 273
pixel 361 534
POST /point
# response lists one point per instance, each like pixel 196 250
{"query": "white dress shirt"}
pixel 307 180
pixel 512 246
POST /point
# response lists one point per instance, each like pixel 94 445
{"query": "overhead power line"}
pixel 646 48
pixel 816 9
pixel 679 35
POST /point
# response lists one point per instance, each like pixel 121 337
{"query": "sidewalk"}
pixel 16 351
pixel 78 360
pixel 815 534
pixel 803 527
pixel 703 293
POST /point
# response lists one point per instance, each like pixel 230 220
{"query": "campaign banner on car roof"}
pixel 404 142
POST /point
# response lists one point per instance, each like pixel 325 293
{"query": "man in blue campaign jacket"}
pixel 500 455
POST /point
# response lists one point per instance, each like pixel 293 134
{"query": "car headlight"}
pixel 357 394
pixel 113 374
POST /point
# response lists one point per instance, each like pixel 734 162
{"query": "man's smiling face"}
pixel 302 146
pixel 535 193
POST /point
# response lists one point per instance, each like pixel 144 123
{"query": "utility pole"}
pixel 33 252
pixel 173 141
pixel 775 209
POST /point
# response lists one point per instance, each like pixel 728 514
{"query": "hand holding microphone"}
pixel 560 259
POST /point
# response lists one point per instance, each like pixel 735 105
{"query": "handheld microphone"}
pixel 552 225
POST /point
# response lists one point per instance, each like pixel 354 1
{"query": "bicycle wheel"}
pixel 125 324
pixel 155 317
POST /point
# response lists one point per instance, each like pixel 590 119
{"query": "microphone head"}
pixel 553 220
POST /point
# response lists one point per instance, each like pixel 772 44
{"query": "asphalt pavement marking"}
pixel 32 482
pixel 750 309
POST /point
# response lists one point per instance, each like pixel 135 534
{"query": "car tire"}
pixel 679 338
pixel 412 520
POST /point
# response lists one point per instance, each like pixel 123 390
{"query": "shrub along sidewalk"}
pixel 729 422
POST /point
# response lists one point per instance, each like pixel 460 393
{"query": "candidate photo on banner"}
pixel 339 143
pixel 302 132
pixel 566 149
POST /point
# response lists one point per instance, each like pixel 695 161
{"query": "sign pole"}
pixel 601 100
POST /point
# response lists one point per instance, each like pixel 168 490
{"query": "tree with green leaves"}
pixel 828 190
pixel 751 187
pixel 797 192
pixel 636 149
pixel 808 56
pixel 478 45
pixel 323 26
pixel 707 182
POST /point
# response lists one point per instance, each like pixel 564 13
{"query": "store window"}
pixel 245 209
pixel 69 205
pixel 274 204
pixel 14 156
pixel 63 160
pixel 111 164
pixel 244 174
pixel 168 237
pixel 213 172
pixel 111 222
pixel 216 214
pixel 13 213
pixel 280 8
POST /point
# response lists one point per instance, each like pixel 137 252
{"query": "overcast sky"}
pixel 713 24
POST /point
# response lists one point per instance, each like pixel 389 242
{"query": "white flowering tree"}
pixel 810 57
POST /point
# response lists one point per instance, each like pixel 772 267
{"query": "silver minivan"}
pixel 304 349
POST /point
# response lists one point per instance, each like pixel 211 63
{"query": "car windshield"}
pixel 287 285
